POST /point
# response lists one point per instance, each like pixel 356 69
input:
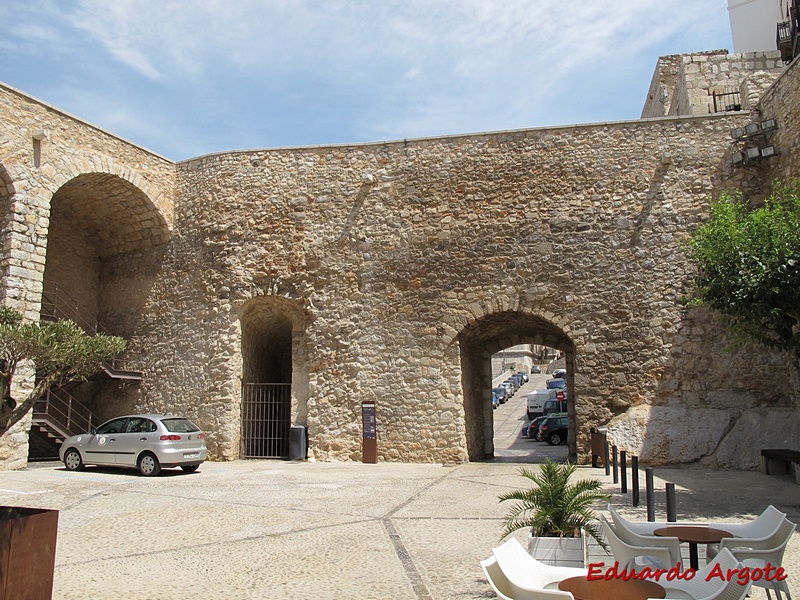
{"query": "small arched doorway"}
pixel 478 342
pixel 270 340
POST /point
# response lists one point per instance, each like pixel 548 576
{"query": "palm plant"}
pixel 554 507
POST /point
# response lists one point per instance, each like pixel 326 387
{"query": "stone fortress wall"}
pixel 390 272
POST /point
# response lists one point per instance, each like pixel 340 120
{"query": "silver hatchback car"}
pixel 144 442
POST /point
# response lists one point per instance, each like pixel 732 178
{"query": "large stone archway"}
pixel 105 242
pixel 486 336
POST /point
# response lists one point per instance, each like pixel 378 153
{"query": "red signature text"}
pixel 742 576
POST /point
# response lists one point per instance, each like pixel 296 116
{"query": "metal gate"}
pixel 266 420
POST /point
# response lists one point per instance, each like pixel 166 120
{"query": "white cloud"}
pixel 397 68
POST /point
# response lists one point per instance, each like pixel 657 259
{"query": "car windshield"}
pixel 557 383
pixel 179 425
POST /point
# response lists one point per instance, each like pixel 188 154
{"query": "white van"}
pixel 536 401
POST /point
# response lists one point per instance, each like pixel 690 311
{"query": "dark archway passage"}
pixel 268 370
pixel 486 336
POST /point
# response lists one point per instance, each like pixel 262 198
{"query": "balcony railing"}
pixel 786 37
pixel 727 101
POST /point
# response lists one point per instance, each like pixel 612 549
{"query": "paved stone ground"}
pixel 271 529
pixel 261 529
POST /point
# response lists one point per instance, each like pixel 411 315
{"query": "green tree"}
pixel 60 352
pixel 749 266
pixel 554 507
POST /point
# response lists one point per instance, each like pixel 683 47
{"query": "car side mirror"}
pixel 93 430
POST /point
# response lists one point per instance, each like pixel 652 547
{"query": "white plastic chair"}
pixel 506 591
pixel 757 553
pixel 627 532
pixel 634 557
pixel 763 526
pixel 494 575
pixel 525 573
pixel 640 527
pixel 715 588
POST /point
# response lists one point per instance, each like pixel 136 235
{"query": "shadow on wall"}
pixel 713 403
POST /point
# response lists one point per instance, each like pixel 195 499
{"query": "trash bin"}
pixel 298 444
pixel 598 444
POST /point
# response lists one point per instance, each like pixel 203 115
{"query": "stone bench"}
pixel 789 460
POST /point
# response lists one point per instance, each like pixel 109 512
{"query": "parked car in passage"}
pixel 556 384
pixel 502 394
pixel 536 369
pixel 525 377
pixel 509 388
pixel 560 373
pixel 533 428
pixel 554 429
pixel 144 442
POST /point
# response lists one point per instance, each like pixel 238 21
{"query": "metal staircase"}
pixel 58 415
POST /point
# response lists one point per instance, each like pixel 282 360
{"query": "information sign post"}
pixel 369 448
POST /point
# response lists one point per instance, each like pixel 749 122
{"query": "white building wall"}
pixel 754 24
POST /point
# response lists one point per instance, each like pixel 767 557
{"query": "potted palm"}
pixel 556 511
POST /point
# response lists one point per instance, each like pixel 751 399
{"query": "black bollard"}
pixel 606 461
pixel 650 494
pixel 672 513
pixel 635 479
pixel 614 464
pixel 623 471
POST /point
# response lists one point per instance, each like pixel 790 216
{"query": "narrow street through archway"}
pixel 509 419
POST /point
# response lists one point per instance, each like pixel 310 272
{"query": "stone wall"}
pixel 389 252
pixel 391 272
pixel 684 84
pixel 704 74
pixel 782 102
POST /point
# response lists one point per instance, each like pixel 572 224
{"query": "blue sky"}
pixel 185 78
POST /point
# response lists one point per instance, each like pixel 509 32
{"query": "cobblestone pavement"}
pixel 274 529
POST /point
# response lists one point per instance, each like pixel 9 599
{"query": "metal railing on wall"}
pixel 727 101
pixel 58 304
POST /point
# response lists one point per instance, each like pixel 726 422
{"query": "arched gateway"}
pixel 486 336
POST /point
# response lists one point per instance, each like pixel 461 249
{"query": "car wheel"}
pixel 554 439
pixel 149 465
pixel 73 460
pixel 190 468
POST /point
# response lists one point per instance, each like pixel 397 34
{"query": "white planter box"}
pixel 562 552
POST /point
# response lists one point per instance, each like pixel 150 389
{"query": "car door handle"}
pixel 144 439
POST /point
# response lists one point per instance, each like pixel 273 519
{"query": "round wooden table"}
pixel 584 588
pixel 694 534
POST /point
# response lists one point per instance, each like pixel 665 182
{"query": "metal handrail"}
pixel 58 304
pixel 64 412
